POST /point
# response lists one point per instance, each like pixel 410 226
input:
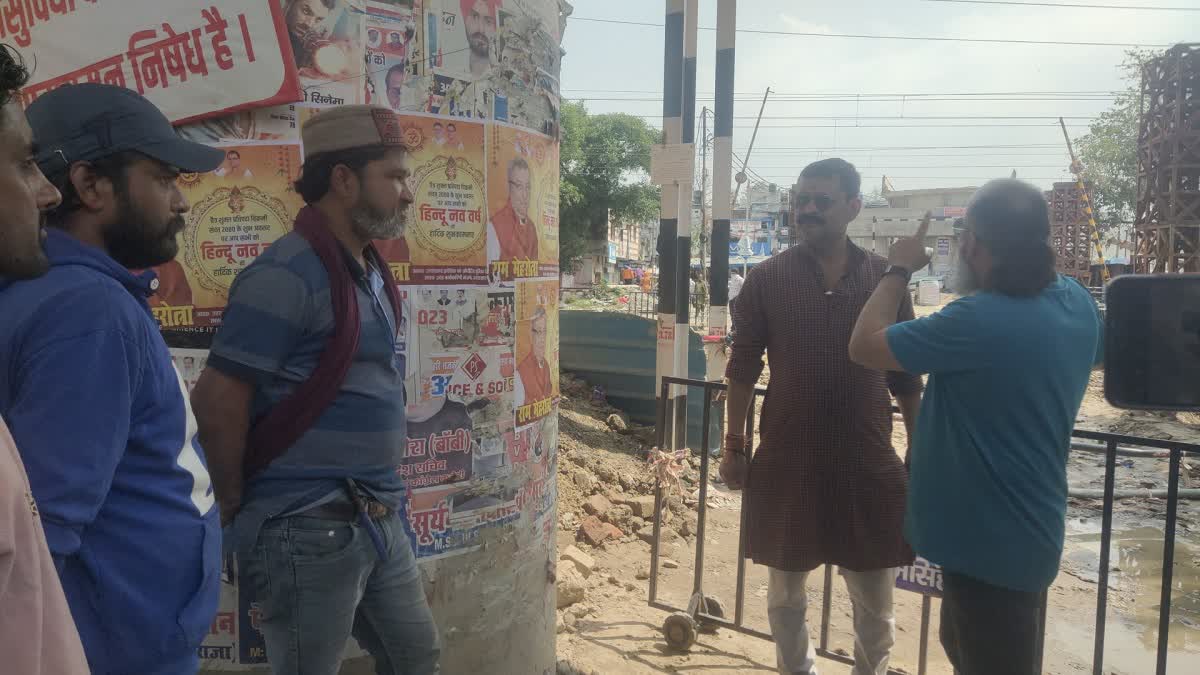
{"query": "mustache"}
pixel 809 219
pixel 176 225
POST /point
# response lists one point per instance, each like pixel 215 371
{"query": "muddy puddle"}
pixel 1135 587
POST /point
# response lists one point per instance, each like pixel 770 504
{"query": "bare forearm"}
pixel 881 309
pixel 738 406
pixel 222 407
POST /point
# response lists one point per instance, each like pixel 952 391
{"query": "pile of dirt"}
pixel 606 494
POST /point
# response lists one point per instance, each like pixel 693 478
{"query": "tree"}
pixel 604 175
pixel 1109 150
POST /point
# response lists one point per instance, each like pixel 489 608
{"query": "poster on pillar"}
pixel 460 384
pixel 536 351
pixel 444 241
pixel 191 59
pixel 237 211
pixel 327 43
pixel 395 57
pixel 522 232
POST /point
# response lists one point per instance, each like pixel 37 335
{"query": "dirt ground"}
pixel 606 626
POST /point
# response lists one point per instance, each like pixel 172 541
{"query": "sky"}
pixel 896 82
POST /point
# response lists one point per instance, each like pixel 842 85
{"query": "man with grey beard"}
pixel 301 411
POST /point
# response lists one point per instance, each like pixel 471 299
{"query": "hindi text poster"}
pixel 395 57
pixel 446 233
pixel 536 384
pixel 327 44
pixel 522 228
pixel 236 212
pixel 192 60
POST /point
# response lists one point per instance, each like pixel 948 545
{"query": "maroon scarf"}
pixel 292 417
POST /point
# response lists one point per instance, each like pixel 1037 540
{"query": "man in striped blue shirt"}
pixel 319 531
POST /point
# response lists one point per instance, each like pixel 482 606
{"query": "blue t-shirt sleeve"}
pixel 265 318
pixel 947 341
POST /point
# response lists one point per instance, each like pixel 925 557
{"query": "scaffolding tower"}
pixel 1167 224
pixel 1070 231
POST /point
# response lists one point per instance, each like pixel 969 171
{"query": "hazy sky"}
pixel 606 61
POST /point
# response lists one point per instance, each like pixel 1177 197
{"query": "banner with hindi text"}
pixel 193 59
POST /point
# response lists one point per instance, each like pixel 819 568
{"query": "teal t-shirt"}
pixel 988 492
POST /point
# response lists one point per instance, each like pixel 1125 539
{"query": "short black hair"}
pixel 836 167
pixel 451 126
pixel 114 167
pixel 437 124
pixel 231 153
pixel 14 75
pixel 317 171
pixel 1010 218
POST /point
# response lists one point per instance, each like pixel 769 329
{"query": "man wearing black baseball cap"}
pixel 90 392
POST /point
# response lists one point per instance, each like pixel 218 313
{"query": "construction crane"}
pixel 1077 169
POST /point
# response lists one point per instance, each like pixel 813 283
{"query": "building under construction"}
pixel 1070 233
pixel 1168 199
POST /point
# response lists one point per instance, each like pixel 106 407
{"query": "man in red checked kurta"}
pixel 511 234
pixel 825 485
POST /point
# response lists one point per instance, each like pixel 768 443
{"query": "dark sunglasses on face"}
pixel 821 202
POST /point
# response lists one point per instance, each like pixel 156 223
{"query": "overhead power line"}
pixel 852 117
pixel 756 31
pixel 1074 5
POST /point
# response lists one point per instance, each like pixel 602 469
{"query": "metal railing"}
pixel 700 606
pixel 634 302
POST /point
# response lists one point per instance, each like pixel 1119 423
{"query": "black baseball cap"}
pixel 86 122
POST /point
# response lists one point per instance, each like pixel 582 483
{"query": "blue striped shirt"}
pixel 275 327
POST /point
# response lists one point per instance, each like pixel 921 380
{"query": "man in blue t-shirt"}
pixel 1008 363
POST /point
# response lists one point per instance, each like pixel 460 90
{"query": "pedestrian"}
pixel 37 634
pixel 308 350
pixel 699 294
pixel 736 281
pixel 825 485
pixel 1008 366
pixel 94 401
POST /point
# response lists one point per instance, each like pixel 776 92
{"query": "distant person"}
pixel 301 408
pixel 825 485
pixel 305 23
pixel 512 235
pixel 1008 366
pixel 439 134
pixel 37 634
pixel 479 21
pixel 736 281
pixel 92 395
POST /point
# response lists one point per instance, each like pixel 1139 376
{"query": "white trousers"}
pixel 874 624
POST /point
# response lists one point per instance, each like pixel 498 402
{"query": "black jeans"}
pixel 990 630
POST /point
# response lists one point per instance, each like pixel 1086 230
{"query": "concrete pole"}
pixel 722 176
pixel 669 218
pixel 684 231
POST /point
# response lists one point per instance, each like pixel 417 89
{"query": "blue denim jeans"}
pixel 320 581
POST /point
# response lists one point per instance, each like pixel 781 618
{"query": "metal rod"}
pixel 1110 471
pixel 668 225
pixel 654 540
pixel 740 600
pixel 702 510
pixel 826 607
pixel 923 655
pixel 750 148
pixel 1168 562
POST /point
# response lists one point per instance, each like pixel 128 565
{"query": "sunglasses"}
pixel 821 202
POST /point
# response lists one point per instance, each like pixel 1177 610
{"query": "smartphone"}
pixel 1152 342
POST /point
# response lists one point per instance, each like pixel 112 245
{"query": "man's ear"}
pixel 94 190
pixel 855 207
pixel 343 182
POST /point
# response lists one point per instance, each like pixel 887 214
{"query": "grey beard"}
pixel 370 223
pixel 964 281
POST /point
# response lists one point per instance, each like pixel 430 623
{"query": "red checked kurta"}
pixel 825 485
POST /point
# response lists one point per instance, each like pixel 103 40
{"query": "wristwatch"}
pixel 899 271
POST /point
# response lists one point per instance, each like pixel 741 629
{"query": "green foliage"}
pixel 604 173
pixel 1109 150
